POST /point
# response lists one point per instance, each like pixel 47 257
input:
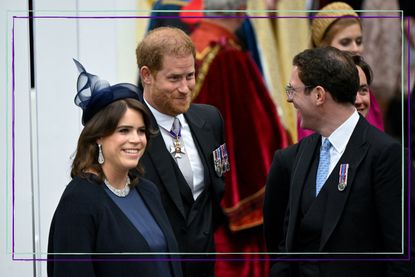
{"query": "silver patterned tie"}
pixel 323 165
pixel 182 160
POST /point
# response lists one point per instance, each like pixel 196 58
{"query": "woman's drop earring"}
pixel 101 159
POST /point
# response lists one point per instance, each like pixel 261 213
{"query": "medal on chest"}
pixel 177 148
pixel 343 174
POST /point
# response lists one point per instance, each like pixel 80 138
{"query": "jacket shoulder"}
pixel 208 113
pixel 83 192
pixel 377 137
pixel 205 110
pixel 149 186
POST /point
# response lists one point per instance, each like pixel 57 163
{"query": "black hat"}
pixel 95 94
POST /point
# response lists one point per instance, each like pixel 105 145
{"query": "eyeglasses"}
pixel 289 90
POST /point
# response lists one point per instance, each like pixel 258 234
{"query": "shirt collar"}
pixel 164 120
pixel 340 137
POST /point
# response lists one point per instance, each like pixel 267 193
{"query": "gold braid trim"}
pixel 247 213
pixel 210 54
pixel 176 2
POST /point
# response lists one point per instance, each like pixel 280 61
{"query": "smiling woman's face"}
pixel 123 149
pixel 362 102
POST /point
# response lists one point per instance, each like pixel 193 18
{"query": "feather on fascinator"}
pixel 94 94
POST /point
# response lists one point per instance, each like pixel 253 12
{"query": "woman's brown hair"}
pixel 103 124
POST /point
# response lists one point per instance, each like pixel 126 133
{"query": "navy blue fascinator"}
pixel 95 94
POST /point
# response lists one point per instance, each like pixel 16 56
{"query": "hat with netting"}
pixel 94 94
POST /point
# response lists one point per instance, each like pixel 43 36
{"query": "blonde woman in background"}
pixel 337 25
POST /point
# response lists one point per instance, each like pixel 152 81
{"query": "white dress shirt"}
pixel 339 139
pixel 165 122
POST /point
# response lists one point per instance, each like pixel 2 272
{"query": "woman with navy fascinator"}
pixel 110 222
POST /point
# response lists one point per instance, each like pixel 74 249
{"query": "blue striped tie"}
pixel 323 165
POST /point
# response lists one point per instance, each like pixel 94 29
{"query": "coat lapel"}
pixel 155 212
pixel 207 142
pixel 298 177
pixel 200 134
pixel 353 155
pixel 161 222
pixel 159 154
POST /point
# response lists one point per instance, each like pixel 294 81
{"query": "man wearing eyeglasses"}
pixel 345 192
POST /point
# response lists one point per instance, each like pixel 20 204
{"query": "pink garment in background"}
pixel 374 116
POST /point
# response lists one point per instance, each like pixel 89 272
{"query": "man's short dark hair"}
pixel 330 68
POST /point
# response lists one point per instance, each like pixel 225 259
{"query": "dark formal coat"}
pixel 276 196
pixel 366 217
pixel 193 222
pixel 88 221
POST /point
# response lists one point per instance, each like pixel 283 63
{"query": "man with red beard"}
pixel 182 159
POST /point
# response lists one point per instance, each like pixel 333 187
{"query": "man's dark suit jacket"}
pixel 88 221
pixel 276 196
pixel 193 222
pixel 364 218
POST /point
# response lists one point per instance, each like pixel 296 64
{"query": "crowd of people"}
pixel 192 172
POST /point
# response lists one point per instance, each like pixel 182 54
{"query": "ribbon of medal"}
pixel 176 148
pixel 225 164
pixel 221 160
pixel 218 161
pixel 344 168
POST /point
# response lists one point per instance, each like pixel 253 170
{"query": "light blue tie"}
pixel 323 165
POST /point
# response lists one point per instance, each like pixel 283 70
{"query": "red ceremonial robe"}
pixel 229 79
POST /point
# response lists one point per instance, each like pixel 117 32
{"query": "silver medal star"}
pixel 176 148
